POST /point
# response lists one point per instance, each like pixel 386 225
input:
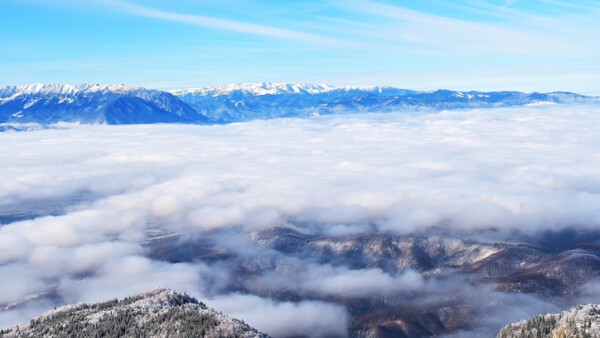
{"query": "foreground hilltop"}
pixel 158 313
pixel 581 321
pixel 120 104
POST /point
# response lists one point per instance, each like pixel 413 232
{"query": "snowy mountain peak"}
pixel 156 299
pixel 158 313
pixel 93 104
pixel 66 89
pixel 257 89
pixel 123 104
pixel 579 321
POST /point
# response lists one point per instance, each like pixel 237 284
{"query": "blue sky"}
pixel 535 45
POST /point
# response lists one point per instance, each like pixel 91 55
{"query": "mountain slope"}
pixel 581 321
pixel 120 104
pixel 292 264
pixel 92 104
pixel 269 100
pixel 158 313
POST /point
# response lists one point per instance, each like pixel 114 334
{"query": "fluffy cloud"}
pixel 325 280
pixel 13 246
pixel 129 275
pixel 285 318
pixel 471 169
pixel 101 191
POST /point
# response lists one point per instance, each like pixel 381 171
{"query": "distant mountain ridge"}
pixel 122 104
pixel 92 104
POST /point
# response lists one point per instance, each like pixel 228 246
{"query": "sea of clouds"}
pixel 531 168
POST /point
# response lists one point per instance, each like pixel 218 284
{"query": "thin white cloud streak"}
pixel 224 24
pixel 382 40
pixel 507 14
pixel 572 26
pixel 452 36
pixel 508 3
pixel 591 5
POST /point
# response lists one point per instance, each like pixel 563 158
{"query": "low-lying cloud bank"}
pixel 280 319
pixel 519 168
pixel 532 167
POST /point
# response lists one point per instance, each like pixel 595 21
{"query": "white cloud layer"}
pixel 326 281
pixel 474 169
pixel 531 169
pixel 286 318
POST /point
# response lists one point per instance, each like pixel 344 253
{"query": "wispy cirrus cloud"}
pixel 239 41
pixel 448 34
pixel 509 3
pixel 582 5
pixel 224 24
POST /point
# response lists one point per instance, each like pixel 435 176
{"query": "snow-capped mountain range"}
pixel 122 104
pixel 93 104
pixel 258 89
